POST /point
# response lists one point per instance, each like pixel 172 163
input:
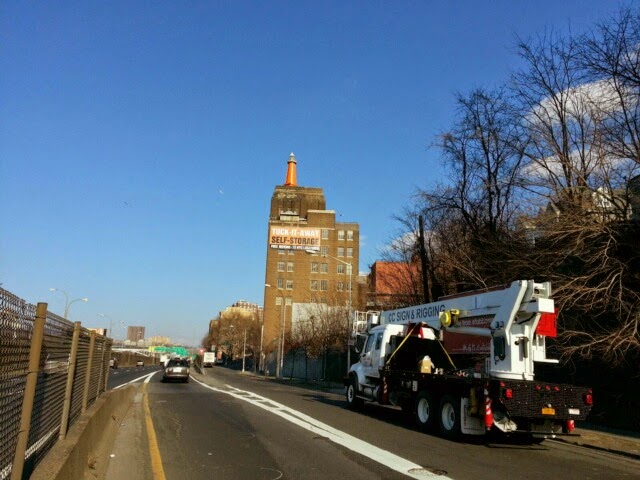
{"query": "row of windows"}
pixel 315 285
pixel 316 267
pixel 288 301
pixel 341 234
pixel 324 251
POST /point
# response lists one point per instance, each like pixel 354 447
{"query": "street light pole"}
pixel 244 348
pixel 110 332
pixel 67 303
pixel 66 310
pixel 66 299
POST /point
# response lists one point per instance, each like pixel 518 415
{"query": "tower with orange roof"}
pixel 308 253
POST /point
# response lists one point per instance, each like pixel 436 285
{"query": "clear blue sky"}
pixel 140 142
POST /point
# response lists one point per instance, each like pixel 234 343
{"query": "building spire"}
pixel 291 180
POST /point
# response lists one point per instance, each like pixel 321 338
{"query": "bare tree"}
pixel 609 58
pixel 469 216
pixel 581 114
pixel 322 326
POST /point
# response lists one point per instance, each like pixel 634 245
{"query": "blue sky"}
pixel 140 142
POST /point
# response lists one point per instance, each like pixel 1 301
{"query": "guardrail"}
pixel 51 370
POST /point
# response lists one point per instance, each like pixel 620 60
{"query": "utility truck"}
pixel 465 365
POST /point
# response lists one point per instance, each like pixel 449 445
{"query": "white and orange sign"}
pixel 294 238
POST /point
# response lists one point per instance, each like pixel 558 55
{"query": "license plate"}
pixel 548 411
pixel 574 411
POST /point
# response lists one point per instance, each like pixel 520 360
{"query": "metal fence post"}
pixel 101 343
pixel 87 380
pixel 29 391
pixel 106 367
pixel 70 374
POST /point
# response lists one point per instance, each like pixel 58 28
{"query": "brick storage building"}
pixel 311 258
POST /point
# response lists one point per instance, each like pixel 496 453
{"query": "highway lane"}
pixel 474 458
pixel 204 434
pixel 225 430
pixel 122 375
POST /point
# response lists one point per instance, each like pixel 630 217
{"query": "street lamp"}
pixel 244 349
pixel 280 356
pixel 110 322
pixel 68 303
pixel 350 272
pixel 110 332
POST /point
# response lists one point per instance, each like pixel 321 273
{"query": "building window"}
pixel 325 234
pixel 341 268
pixel 350 235
pixel 349 287
pixel 324 268
pixel 340 234
pixel 339 286
pixel 281 251
pixel 281 266
pixel 280 283
pixel 341 251
pixel 289 284
pixel 349 252
pixel 324 285
pixel 314 267
pixel 314 285
pixel 289 266
pixel 292 252
pixel 278 301
pixel 324 251
pixel 287 302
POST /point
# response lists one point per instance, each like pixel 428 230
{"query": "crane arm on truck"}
pixel 514 312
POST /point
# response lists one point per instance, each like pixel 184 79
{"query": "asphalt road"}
pixel 242 427
pixel 122 375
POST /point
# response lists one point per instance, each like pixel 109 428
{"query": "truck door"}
pixel 370 358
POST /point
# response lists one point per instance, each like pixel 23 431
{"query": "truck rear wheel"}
pixel 425 410
pixel 450 417
pixel 353 402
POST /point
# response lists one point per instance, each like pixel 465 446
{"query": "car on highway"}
pixel 176 369
pixel 140 363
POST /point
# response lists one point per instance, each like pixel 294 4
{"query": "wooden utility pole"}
pixel 424 262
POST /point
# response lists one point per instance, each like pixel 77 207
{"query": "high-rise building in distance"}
pixel 135 334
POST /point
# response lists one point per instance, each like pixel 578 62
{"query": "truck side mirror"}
pixel 499 348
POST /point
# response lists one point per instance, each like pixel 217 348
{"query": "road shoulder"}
pixel 129 456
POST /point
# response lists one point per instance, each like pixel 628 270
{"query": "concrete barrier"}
pixel 84 453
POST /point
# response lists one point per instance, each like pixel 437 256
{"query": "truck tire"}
pixel 353 402
pixel 449 417
pixel 425 411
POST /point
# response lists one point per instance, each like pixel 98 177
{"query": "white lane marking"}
pixel 388 459
pixel 147 377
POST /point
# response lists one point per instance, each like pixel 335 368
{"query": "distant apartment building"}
pixel 135 334
pixel 242 306
pixel 311 258
pixel 159 340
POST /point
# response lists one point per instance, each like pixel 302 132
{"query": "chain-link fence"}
pixel 51 370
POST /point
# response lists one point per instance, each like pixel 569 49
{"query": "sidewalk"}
pixel 620 442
